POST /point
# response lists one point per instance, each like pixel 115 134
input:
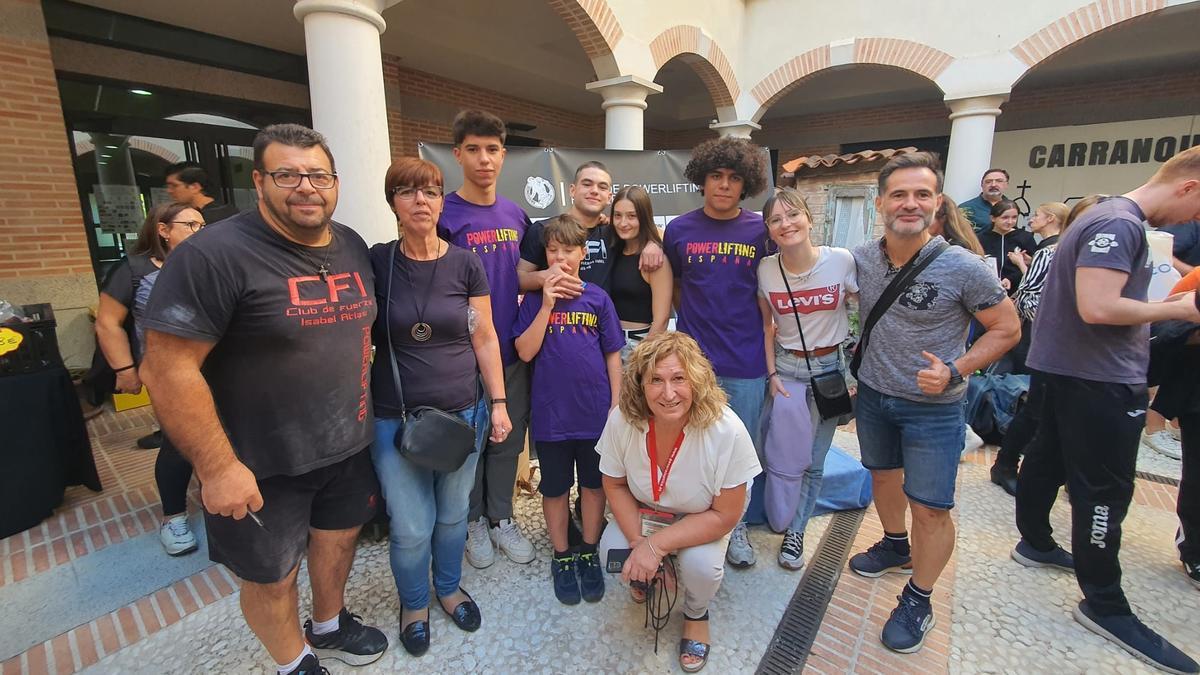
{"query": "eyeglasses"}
pixel 193 225
pixel 407 192
pixel 291 179
pixel 793 216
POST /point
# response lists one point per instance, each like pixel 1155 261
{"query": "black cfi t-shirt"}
pixel 290 370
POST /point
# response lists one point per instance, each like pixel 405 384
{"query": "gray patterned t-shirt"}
pixel 932 315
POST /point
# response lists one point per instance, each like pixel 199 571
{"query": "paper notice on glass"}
pixel 120 208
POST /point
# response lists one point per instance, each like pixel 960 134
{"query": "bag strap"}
pixel 387 329
pixel 899 284
pixel 795 312
pixel 387 326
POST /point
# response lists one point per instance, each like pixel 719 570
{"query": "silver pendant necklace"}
pixel 323 268
pixel 421 331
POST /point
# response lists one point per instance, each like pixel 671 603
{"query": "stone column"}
pixel 735 129
pixel 973 123
pixel 624 103
pixel 345 82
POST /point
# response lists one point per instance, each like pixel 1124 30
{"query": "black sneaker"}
pixel 352 643
pixel 150 441
pixel 908 625
pixel 880 559
pixel 309 665
pixel 1029 556
pixel 566 581
pixel 591 577
pixel 1005 477
pixel 1192 570
pixel 1130 634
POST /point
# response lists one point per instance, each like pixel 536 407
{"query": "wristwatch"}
pixel 955 376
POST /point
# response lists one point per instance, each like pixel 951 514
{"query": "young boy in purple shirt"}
pixel 714 252
pixel 574 343
pixel 480 220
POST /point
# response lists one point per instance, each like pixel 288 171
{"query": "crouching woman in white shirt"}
pixel 677 465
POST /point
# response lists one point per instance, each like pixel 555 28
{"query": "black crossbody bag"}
pixel 828 389
pixel 899 284
pixel 429 437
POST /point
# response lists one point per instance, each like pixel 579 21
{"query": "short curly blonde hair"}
pixel 708 399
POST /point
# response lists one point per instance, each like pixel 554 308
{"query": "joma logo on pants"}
pixel 1099 526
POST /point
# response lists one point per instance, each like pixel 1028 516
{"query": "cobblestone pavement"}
pixel 993 614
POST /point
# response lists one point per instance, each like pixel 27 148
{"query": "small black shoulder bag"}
pixel 828 389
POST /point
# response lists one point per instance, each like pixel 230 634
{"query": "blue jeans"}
pixel 428 512
pixel 792 367
pixel 924 439
pixel 746 397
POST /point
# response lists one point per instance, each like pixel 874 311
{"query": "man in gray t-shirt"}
pixel 1090 354
pixel 910 416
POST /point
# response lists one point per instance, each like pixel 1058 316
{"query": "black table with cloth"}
pixel 45 447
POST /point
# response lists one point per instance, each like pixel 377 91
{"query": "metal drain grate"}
pixel 802 619
pixel 1155 478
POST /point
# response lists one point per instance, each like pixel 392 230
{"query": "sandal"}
pixel 688 647
pixel 637 590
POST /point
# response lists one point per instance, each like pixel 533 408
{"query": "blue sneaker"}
pixel 1130 634
pixel 1027 555
pixel 566 580
pixel 880 559
pixel 591 577
pixel 908 625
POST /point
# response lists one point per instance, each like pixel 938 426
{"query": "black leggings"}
pixel 1024 425
pixel 172 473
pixel 1188 505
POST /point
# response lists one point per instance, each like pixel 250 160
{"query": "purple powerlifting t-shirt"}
pixel 570 393
pixel 716 263
pixel 494 232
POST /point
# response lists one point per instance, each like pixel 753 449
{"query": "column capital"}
pixel 626 90
pixel 367 10
pixel 976 105
pixel 736 128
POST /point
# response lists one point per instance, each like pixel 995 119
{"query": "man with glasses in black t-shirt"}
pixel 258 362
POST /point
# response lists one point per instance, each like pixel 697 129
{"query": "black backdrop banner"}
pixel 537 178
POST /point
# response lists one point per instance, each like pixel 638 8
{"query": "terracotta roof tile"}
pixel 826 161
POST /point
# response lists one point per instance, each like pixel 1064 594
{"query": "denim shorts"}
pixel 924 439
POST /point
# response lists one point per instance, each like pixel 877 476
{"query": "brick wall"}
pixel 41 227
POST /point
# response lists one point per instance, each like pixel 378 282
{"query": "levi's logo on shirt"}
pixel 339 297
pixel 807 301
pixel 490 241
pixel 576 322
pixel 721 252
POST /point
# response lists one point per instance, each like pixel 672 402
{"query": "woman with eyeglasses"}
pixel 439 317
pixel 802 293
pixel 126 291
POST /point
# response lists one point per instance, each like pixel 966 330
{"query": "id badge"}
pixel 653 521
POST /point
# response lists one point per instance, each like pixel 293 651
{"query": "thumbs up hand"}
pixel 933 380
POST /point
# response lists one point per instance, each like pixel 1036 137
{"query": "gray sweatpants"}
pixel 700 569
pixel 496 473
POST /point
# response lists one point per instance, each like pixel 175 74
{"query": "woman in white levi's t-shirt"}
pixel 819 278
pixel 677 464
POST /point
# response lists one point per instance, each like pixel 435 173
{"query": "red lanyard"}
pixel 657 485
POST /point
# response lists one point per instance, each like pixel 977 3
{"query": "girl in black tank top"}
pixel 642 300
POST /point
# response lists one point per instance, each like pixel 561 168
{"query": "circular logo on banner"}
pixel 9 340
pixel 539 192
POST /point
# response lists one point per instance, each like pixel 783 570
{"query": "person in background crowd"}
pixel 819 279
pixel 1003 240
pixel 188 183
pixel 642 299
pixel 677 465
pixel 124 296
pixel 978 209
pixel 591 193
pixel 574 344
pixel 1048 221
pixel 480 220
pixel 950 223
pixel 714 253
pixel 910 413
pixel 1186 245
pixel 444 289
pixel 267 396
pixel 1091 340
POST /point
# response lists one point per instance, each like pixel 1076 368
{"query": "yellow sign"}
pixel 9 340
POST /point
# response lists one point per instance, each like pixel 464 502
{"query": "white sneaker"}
pixel 1175 432
pixel 480 553
pixel 973 440
pixel 1164 444
pixel 176 536
pixel 509 539
pixel 740 553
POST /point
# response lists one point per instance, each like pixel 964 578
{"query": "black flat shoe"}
pixel 466 614
pixel 415 637
pixel 1005 477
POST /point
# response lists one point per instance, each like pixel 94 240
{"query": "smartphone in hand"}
pixel 616 559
